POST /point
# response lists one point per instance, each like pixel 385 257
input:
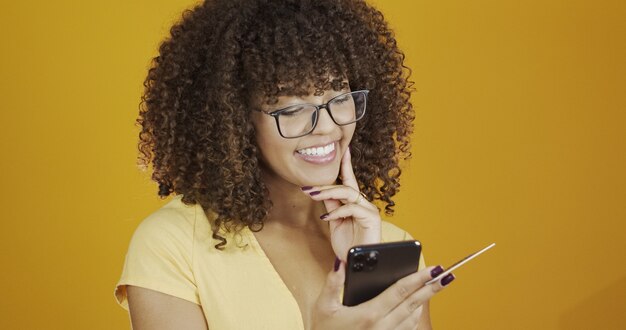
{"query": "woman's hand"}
pixel 398 307
pixel 353 219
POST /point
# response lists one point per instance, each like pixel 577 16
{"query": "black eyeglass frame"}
pixel 277 113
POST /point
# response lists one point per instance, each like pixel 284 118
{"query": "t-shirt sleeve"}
pixel 159 257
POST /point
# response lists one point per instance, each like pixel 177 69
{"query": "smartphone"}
pixel 370 269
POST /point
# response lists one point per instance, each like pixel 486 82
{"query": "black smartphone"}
pixel 370 269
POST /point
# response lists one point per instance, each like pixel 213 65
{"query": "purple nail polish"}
pixel 313 193
pixel 446 280
pixel 436 271
pixel 324 216
pixel 337 263
pixel 305 188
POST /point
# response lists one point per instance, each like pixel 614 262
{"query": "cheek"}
pixel 271 145
pixel 348 132
pixel 263 133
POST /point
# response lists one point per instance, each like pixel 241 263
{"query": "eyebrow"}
pixel 281 107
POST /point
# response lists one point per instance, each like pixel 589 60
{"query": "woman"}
pixel 274 123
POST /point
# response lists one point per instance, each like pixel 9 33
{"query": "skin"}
pixel 294 231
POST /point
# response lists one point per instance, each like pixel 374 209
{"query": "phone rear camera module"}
pixel 365 261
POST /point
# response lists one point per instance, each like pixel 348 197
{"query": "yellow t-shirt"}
pixel 172 252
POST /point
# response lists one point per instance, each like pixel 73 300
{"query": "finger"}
pixel 364 217
pixel 330 297
pixel 331 204
pixel 411 322
pixel 394 295
pixel 347 172
pixel 343 193
pixel 417 318
pixel 407 310
pixel 309 189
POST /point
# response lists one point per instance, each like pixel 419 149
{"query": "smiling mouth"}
pixel 318 151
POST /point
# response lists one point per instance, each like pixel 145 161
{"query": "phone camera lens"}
pixel 357 267
pixel 372 260
pixel 360 257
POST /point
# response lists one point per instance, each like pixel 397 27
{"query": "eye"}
pixel 342 99
pixel 293 111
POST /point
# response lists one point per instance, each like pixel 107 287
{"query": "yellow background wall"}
pixel 520 139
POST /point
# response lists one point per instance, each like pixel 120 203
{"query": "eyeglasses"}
pixel 299 120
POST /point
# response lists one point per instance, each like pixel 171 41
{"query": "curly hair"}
pixel 196 130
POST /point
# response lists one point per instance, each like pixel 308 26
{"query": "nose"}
pixel 325 123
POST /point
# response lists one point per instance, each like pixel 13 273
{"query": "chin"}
pixel 321 180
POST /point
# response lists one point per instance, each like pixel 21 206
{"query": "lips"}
pixel 318 155
pixel 318 151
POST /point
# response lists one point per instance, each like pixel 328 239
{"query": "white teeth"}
pixel 319 151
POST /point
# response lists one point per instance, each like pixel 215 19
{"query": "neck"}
pixel 292 207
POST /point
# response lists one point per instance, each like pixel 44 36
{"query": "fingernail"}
pixel 305 188
pixel 313 193
pixel 337 263
pixel 446 280
pixel 324 216
pixel 436 271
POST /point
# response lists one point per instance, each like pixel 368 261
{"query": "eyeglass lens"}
pixel 300 120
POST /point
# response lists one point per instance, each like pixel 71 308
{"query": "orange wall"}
pixel 519 139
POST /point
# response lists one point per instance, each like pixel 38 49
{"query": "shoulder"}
pixel 392 233
pixel 175 220
pixel 160 254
